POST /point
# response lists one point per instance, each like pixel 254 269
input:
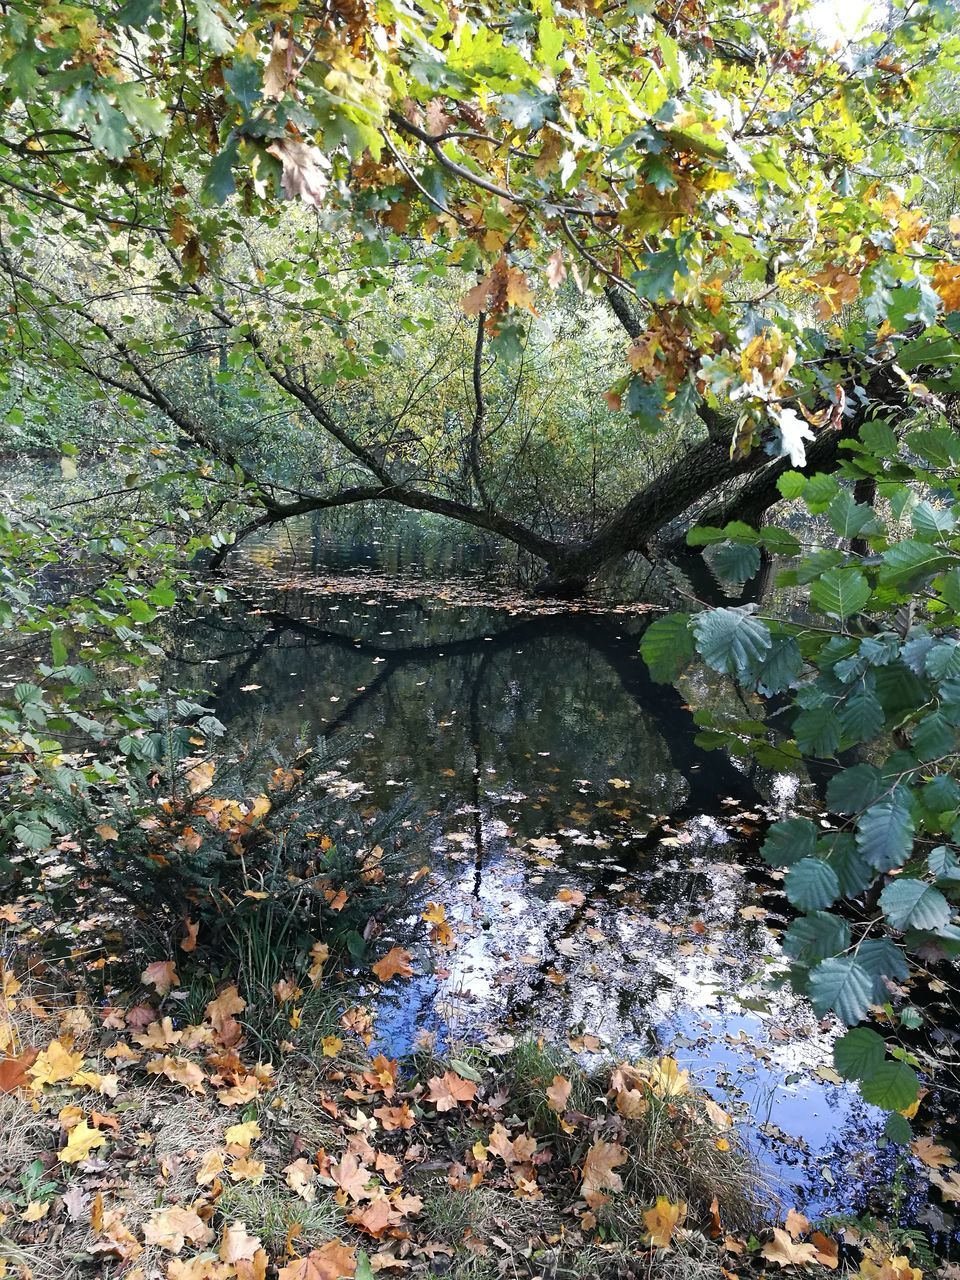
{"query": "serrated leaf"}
pixel 811 884
pixel 854 789
pixel 893 1086
pixel 816 937
pixel 861 715
pixel 885 834
pixel 817 731
pixel 736 561
pixel 844 986
pixel 788 841
pixel 732 641
pixel 667 647
pixel 840 592
pixel 910 564
pixel 943 863
pixel 934 737
pixel 791 484
pixel 914 904
pixel 781 667
pixel 858 1054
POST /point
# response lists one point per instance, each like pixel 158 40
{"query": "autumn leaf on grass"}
pixel 898 1268
pixel 667 1080
pixel 332 1261
pixel 240 1137
pixel 247 1170
pixel 331 1046
pixel 211 1164
pixel 933 1155
pixel 351 1176
pixel 171 1228
pixel 376 1217
pixel 236 1245
pixel 786 1252
pixel 55 1064
pixel 395 964
pixel 301 1175
pixel 558 1094
pixel 161 974
pixel 13 1071
pixel 449 1090
pixel 662 1221
pixel 219 1012
pixel 180 1070
pixel 200 777
pixel 35 1211
pixel 395 1117
pixel 598 1171
pixel 81 1142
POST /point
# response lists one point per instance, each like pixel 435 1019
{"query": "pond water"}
pixel 599 870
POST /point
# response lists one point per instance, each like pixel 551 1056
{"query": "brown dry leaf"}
pixel 332 1261
pixel 933 1155
pixel 797 1224
pixel 572 896
pixel 300 1175
pixel 55 1064
pixel 211 1164
pixel 396 1117
pixel 106 832
pixel 200 776
pixel 449 1090
pixel 236 1245
pixel 556 269
pixel 242 1136
pixel 189 941
pixel 304 170
pixel 219 1012
pixel 241 1093
pixel 395 964
pixel 161 974
pixel 949 1185
pixel 598 1171
pixel 828 1251
pixel 247 1170
pixel 662 1221
pixel 35 1211
pixel 171 1228
pixel 558 1094
pixel 376 1217
pixel 179 1070
pixel 13 1071
pixel 716 1114
pixel 667 1080
pixel 786 1253
pixel 351 1176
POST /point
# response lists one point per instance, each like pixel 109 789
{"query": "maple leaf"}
pixel 54 1064
pixel 828 1251
pixel 81 1142
pixel 236 1245
pixel 331 1046
pixel 375 1217
pixel 332 1261
pixel 449 1090
pixel 667 1080
pixel 161 974
pixel 949 1185
pixel 946 282
pixel 241 1093
pixel 933 1155
pixel 242 1136
pixel 247 1170
pixel 598 1171
pixel 662 1221
pixel 395 1117
pixel 211 1164
pixel 319 955
pixel 786 1253
pixel 200 777
pixel 558 1094
pixel 13 1071
pixel 351 1176
pixel 395 964
pixel 300 1175
pixel 171 1228
pixel 797 1224
pixel 179 1070
pixel 219 1012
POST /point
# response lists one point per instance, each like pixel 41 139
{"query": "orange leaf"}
pixel 558 1093
pixel 449 1090
pixel 332 1261
pixel 395 964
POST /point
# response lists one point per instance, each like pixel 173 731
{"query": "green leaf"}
pixel 932 522
pixel 861 715
pixel 943 660
pixel 110 133
pixel 218 182
pixel 943 863
pixel 817 731
pixel 211 27
pixel 781 667
pixel 858 1054
pixel 138 14
pixel 811 885
pixel 667 647
pixel 840 592
pixel 893 1086
pixel 854 789
pixel 820 491
pixel 934 737
pixel 736 561
pixel 844 986
pixel 840 850
pixel 914 904
pixel 885 834
pixel 848 517
pixel 788 841
pixel 897 1129
pixel 910 564
pixel 791 484
pixel 882 959
pixel 732 641
pixel 816 937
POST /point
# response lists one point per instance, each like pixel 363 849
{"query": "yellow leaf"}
pixel 56 1063
pixel 331 1046
pixel 81 1142
pixel 242 1135
pixel 662 1221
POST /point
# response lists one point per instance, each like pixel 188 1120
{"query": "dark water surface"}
pixel 598 869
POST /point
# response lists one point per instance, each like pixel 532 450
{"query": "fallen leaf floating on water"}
pixel 931 1153
pixel 449 1090
pixel 574 897
pixel 662 1221
pixel 395 964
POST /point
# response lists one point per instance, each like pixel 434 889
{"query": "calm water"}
pixel 542 761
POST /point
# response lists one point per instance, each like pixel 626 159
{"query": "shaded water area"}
pixel 599 870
